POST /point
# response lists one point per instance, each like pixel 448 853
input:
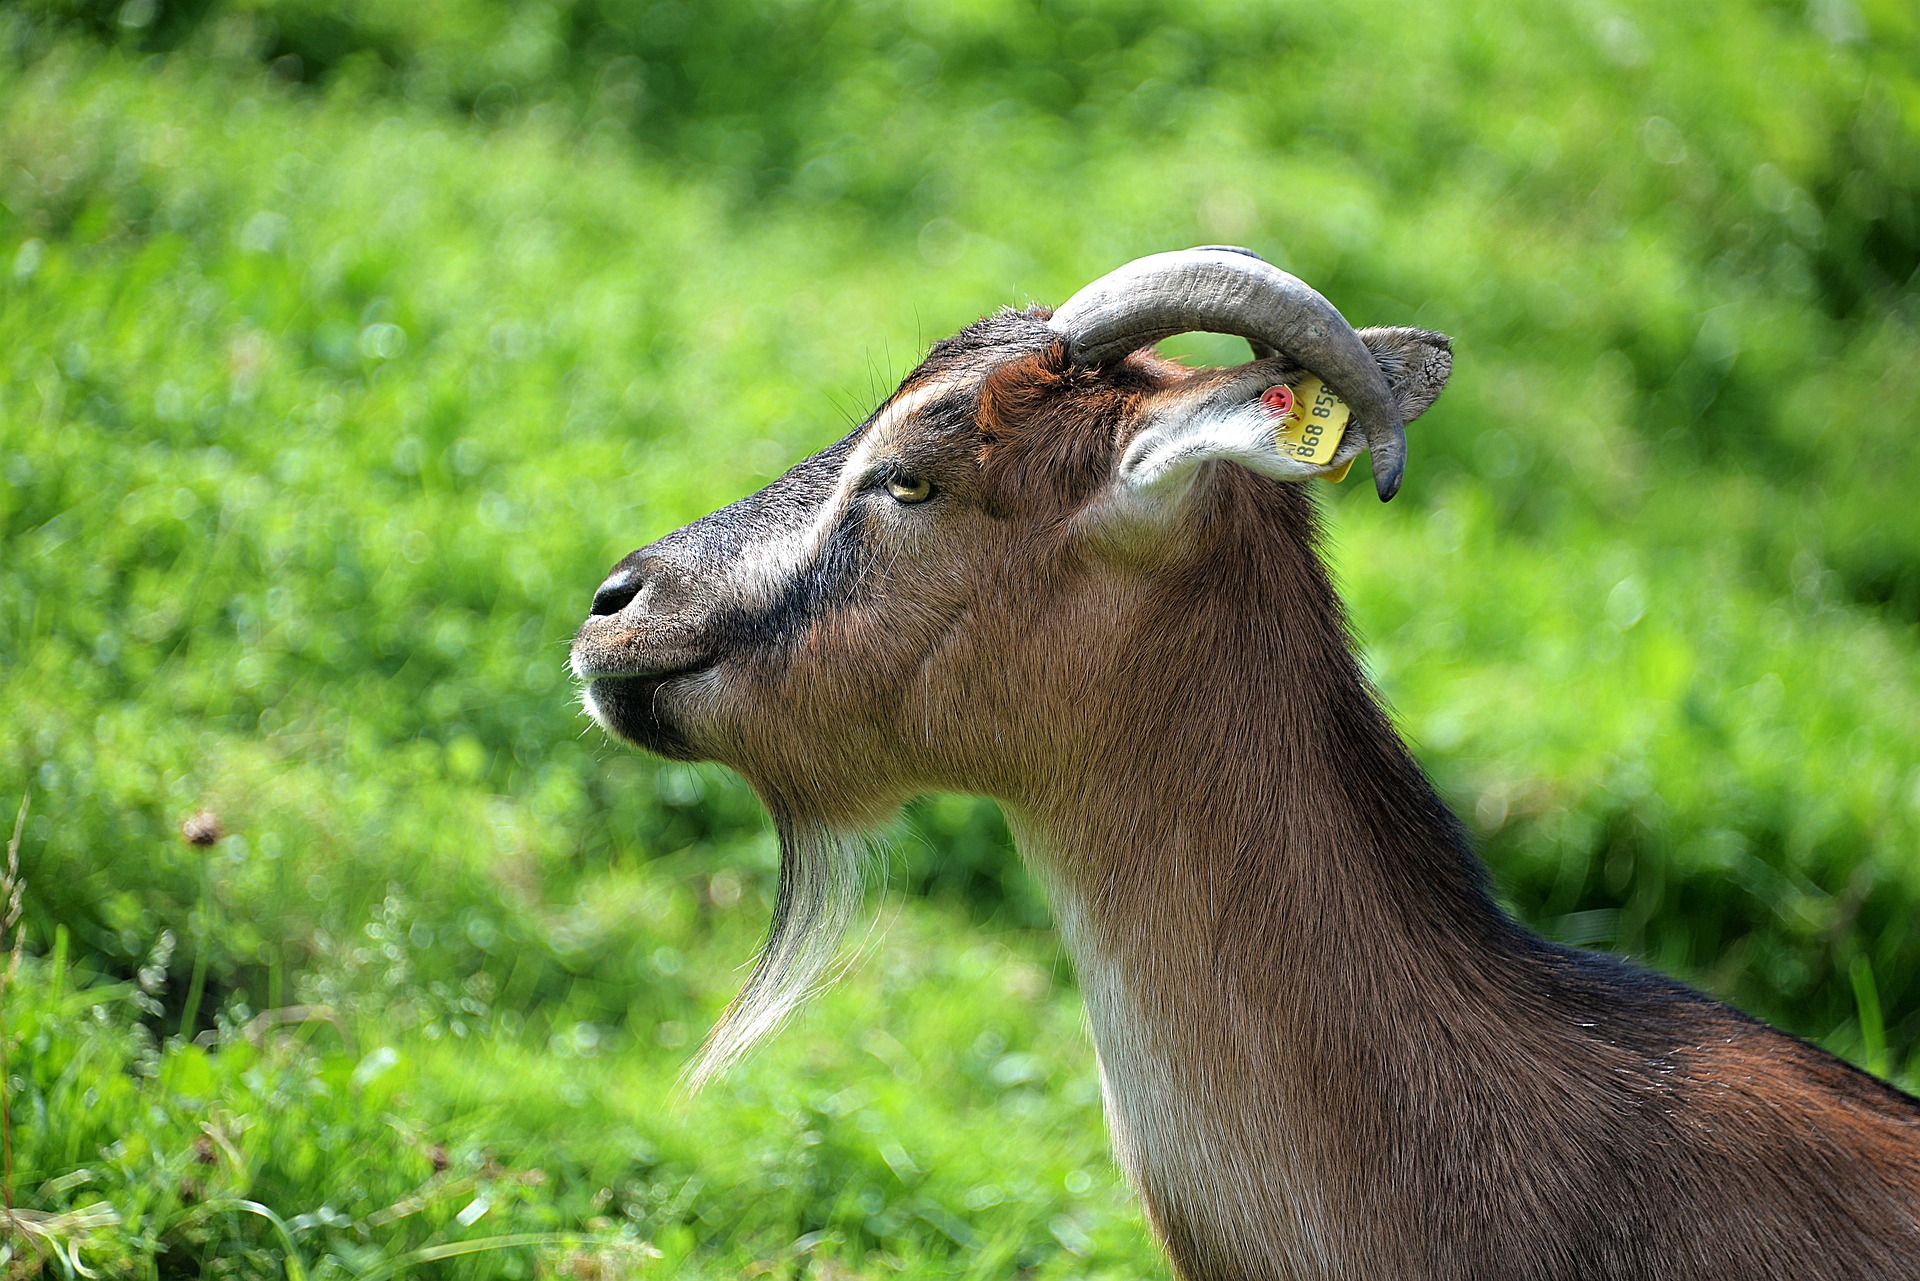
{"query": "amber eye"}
pixel 910 489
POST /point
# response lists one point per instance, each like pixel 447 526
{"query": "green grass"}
pixel 364 1154
pixel 347 346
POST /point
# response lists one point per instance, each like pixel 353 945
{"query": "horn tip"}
pixel 1387 474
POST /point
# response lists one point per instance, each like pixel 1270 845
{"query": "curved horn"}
pixel 1223 290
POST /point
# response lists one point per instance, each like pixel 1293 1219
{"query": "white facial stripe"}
pixel 770 564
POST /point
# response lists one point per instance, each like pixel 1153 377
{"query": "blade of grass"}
pixel 190 1012
pixel 1873 1028
pixel 454 1249
pixel 296 1263
pixel 10 897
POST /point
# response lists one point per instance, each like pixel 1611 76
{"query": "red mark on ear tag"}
pixel 1278 399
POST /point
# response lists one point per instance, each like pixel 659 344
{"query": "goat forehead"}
pixel 778 528
pixel 910 415
pixel 938 398
pixel 988 341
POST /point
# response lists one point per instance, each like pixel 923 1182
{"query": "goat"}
pixel 1060 571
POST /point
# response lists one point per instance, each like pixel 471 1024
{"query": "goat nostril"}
pixel 614 594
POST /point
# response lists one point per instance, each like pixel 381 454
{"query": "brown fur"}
pixel 1327 1053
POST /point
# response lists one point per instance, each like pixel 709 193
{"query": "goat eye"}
pixel 910 489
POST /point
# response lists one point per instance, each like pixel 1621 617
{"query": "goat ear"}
pixel 1227 421
pixel 1416 362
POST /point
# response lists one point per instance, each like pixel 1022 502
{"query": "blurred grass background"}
pixel 346 346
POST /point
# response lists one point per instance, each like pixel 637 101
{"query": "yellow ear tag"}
pixel 1312 421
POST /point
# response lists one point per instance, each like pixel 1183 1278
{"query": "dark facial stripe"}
pixel 839 574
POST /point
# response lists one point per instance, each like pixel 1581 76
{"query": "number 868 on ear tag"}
pixel 1311 421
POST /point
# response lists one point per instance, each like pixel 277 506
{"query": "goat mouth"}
pixel 631 708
